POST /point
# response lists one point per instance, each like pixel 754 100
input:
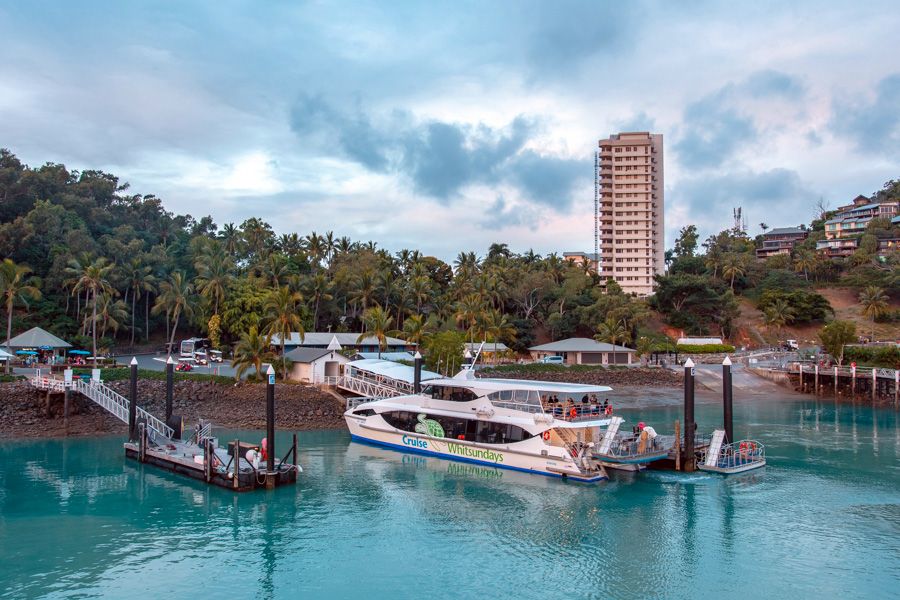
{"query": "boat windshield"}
pixel 567 407
pixel 524 400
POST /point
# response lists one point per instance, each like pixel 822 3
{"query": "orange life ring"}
pixel 547 436
pixel 573 413
pixel 608 410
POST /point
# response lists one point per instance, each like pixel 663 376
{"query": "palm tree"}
pixel 778 314
pixel 281 318
pixel 468 311
pixel 377 322
pixel 15 286
pixel 415 329
pixel 253 350
pixel 496 326
pixel 93 277
pixel 111 313
pixel 231 238
pixel 175 299
pixel 733 266
pixel 804 263
pixel 612 331
pixel 874 304
pixel 214 272
pixel 139 278
pixel 319 290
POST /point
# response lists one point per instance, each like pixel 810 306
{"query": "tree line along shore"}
pixel 108 269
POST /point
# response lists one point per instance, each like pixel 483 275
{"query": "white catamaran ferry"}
pixel 540 427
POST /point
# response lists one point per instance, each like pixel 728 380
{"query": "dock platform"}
pixel 207 462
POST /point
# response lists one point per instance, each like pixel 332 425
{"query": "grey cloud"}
pixel 873 126
pixel 714 131
pixel 714 128
pixel 439 158
pixel 773 83
pixel 550 180
pixel 637 122
pixel 500 215
pixel 778 197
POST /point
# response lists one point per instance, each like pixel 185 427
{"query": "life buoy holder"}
pixel 573 413
pixel 547 436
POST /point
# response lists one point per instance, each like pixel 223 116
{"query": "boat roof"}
pixel 494 385
pixel 514 419
pixel 393 370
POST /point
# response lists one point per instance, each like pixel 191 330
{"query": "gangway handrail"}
pixel 118 405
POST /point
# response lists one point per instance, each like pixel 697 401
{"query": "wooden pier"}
pixel 863 382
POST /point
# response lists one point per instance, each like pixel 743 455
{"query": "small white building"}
pixel 313 365
pixel 584 351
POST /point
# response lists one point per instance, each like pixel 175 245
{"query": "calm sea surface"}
pixel 821 521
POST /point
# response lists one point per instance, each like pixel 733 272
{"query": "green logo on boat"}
pixel 429 427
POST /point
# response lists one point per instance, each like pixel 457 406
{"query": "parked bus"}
pixel 192 345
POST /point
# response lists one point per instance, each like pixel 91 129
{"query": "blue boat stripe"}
pixel 413 450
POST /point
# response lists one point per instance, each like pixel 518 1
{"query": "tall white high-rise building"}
pixel 629 210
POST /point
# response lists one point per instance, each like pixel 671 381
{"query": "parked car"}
pixel 201 358
pixel 215 356
pixel 184 365
pixel 552 360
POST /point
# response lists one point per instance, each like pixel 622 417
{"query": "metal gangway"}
pixel 732 458
pixel 106 397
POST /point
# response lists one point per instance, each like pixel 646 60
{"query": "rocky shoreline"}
pixel 24 413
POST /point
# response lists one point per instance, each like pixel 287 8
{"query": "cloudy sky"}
pixel 448 126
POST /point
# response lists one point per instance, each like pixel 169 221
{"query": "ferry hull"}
pixel 481 454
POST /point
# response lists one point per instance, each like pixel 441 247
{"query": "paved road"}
pixel 157 362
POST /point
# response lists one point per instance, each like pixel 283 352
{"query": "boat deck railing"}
pixel 629 447
pixel 741 454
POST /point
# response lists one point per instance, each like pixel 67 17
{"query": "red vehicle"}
pixel 184 366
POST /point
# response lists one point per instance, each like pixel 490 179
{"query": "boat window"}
pixel 451 394
pixel 364 412
pixel 458 428
pixel 505 395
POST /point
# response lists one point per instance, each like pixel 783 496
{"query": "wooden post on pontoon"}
pixel 816 382
pixel 835 381
pixel 677 447
pixel 236 466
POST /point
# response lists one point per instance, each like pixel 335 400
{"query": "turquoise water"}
pixel 821 521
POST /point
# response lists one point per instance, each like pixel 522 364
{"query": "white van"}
pixel 552 360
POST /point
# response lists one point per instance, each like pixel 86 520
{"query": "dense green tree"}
pixel 282 318
pixel 835 336
pixel 874 304
pixel 253 350
pixel 17 286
